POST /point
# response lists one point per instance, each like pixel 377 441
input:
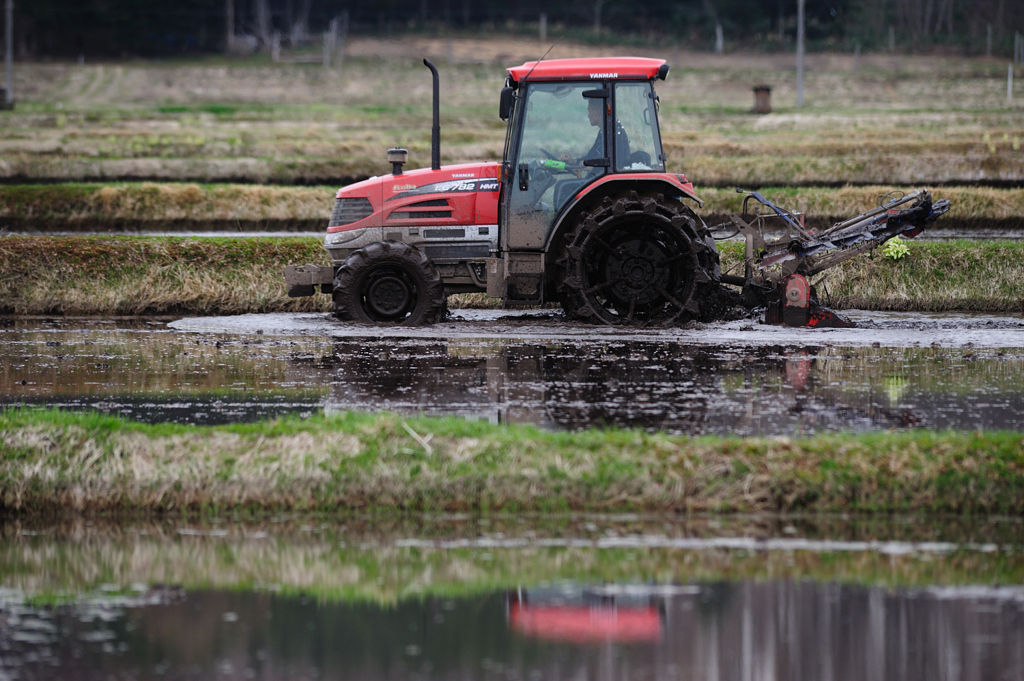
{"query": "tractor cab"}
pixel 573 122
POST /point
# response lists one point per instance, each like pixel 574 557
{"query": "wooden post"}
pixel 988 42
pixel 762 99
pixel 800 52
pixel 719 39
pixel 343 39
pixel 856 56
pixel 229 24
pixel 1009 83
pixel 892 38
pixel 9 54
pixel 275 47
pixel 543 27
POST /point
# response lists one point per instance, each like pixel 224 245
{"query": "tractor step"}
pixel 303 280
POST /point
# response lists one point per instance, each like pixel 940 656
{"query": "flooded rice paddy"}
pixel 459 597
pixel 604 597
pixel 743 378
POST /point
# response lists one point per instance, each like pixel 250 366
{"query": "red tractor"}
pixel 581 211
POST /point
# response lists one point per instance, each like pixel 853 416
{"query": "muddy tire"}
pixel 638 260
pixel 389 282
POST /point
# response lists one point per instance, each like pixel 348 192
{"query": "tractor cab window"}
pixel 561 129
pixel 636 118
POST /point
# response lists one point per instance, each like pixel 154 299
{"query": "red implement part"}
pixel 794 305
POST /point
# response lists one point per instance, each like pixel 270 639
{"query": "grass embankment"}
pixel 149 206
pixel 54 461
pixel 136 275
pixel 146 275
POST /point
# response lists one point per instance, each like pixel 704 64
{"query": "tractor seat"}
pixel 564 190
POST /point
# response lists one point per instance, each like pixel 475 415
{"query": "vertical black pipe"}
pixel 435 132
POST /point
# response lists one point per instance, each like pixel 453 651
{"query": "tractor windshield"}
pixel 637 119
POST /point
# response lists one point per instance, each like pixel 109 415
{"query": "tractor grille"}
pixel 350 210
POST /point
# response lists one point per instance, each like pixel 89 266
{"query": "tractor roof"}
pixel 605 68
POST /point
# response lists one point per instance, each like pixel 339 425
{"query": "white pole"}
pixel 9 52
pixel 1009 83
pixel 800 52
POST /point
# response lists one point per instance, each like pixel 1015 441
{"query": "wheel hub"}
pixel 637 273
pixel 388 296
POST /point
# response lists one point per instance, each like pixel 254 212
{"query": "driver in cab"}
pixel 596 117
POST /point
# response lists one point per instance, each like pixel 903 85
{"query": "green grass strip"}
pixel 52 461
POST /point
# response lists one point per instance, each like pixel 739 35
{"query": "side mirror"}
pixel 508 96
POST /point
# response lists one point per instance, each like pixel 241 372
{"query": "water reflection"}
pixel 507 597
pixel 686 389
pixel 139 368
pixel 721 631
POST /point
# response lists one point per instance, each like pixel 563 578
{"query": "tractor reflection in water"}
pixel 590 615
pixel 668 387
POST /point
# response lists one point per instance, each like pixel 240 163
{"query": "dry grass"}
pixel 912 120
pixel 55 461
pixel 152 275
pixel 125 275
pixel 148 205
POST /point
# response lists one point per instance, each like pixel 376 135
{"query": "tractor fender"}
pixel 668 184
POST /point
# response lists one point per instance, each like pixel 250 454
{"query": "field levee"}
pixel 52 461
pixel 189 207
pixel 130 275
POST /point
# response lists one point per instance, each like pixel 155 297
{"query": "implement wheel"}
pixel 389 282
pixel 637 260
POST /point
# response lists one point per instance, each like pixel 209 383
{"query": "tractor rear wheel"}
pixel 637 260
pixel 389 282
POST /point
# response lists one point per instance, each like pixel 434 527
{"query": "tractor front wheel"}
pixel 389 282
pixel 636 260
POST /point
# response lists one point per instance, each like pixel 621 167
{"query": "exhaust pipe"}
pixel 435 132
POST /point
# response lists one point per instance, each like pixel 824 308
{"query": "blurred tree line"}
pixel 121 28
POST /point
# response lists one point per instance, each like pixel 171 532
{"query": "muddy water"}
pixel 456 597
pixel 738 378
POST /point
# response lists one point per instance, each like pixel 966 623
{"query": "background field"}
pixel 868 120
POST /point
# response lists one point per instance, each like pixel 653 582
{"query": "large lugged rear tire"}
pixel 389 282
pixel 638 260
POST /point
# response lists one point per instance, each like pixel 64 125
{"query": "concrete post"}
pixel 800 52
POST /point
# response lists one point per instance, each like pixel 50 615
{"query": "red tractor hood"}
pixel 465 194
